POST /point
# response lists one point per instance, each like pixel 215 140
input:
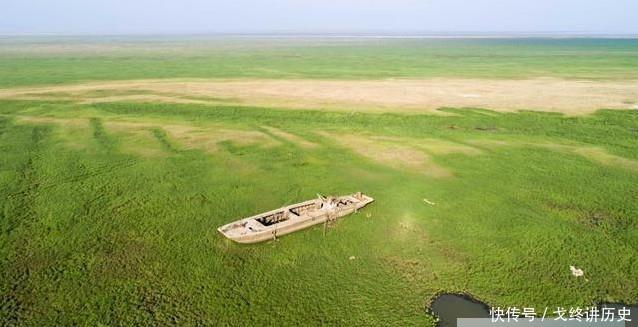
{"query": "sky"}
pixel 316 16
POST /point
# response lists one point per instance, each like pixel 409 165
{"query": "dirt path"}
pixel 571 97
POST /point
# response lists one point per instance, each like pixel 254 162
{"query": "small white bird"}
pixel 576 272
pixel 429 202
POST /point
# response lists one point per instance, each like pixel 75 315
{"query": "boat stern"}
pixel 244 231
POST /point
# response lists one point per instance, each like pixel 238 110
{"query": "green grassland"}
pixel 108 212
pixel 52 61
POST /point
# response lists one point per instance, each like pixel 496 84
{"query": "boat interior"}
pixel 274 218
pixel 285 214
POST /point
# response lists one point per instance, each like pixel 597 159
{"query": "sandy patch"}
pixel 441 147
pixel 543 94
pixel 200 137
pixel 432 146
pixel 595 154
pixel 185 136
pixel 135 138
pixel 210 139
pixel 598 155
pixel 139 142
pixel 290 137
pixel 488 143
pixel 53 120
pixel 470 95
pixel 150 98
pixel 606 158
pixel 73 132
pixel 391 153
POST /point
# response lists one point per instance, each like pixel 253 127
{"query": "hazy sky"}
pixel 264 16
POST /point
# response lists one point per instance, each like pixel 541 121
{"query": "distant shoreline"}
pixel 283 35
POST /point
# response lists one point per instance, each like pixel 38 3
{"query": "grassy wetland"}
pixel 121 157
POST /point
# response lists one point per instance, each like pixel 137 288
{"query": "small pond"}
pixel 633 316
pixel 449 307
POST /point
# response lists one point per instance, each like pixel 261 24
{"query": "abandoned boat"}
pixel 282 221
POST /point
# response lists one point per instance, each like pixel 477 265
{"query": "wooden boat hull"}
pixel 292 218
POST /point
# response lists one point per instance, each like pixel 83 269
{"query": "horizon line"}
pixel 344 34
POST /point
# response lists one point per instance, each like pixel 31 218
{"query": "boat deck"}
pixel 291 218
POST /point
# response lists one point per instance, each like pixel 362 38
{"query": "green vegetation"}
pixel 50 61
pixel 92 233
pixel 108 211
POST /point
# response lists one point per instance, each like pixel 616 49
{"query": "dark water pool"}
pixel 633 316
pixel 449 307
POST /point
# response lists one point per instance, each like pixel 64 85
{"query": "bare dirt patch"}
pixel 72 132
pixel 54 120
pixel 543 94
pixel 488 143
pixel 595 154
pixel 206 137
pixel 290 137
pixel 135 138
pixel 138 139
pixel 599 155
pixel 391 153
pixel 433 146
pixel 209 139
pixel 149 98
